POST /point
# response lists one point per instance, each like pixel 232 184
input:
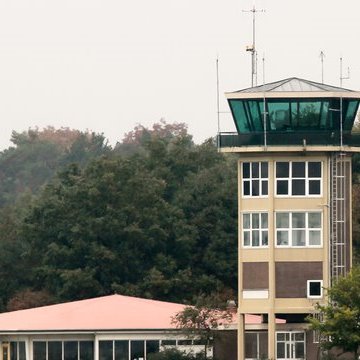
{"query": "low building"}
pixel 112 327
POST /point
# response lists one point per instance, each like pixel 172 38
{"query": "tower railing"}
pixel 288 138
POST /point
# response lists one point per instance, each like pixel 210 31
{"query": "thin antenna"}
pixel 341 99
pixel 322 56
pixel 252 48
pixel 341 72
pixel 264 104
pixel 217 95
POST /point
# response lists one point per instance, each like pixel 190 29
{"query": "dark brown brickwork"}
pixel 225 345
pixel 291 277
pixel 255 275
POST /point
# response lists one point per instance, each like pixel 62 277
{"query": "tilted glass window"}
pixel 255 229
pixel 255 179
pixel 298 178
pixel 298 229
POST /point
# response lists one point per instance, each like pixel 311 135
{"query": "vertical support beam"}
pixel 271 335
pixel 241 337
pixel 96 347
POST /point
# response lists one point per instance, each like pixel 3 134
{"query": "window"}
pixel 255 229
pixel 255 178
pixel 58 350
pixel 290 345
pixel 256 345
pixel 125 349
pixel 298 178
pixel 314 289
pixel 298 229
pixel 17 350
pixel 168 342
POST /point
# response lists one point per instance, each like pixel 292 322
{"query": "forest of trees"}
pixel 154 216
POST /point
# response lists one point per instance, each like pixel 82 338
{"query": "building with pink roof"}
pixel 111 327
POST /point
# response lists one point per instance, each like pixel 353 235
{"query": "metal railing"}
pixel 287 138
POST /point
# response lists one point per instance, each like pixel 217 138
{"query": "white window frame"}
pixel 307 229
pixel 251 229
pixel 308 289
pixel 251 179
pixel 306 178
pixel 291 344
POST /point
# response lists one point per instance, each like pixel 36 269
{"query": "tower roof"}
pixel 293 87
pixel 293 84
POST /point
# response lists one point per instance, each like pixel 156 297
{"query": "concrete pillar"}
pixel 241 337
pixel 271 336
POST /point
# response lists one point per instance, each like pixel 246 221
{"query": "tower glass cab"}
pixel 294 139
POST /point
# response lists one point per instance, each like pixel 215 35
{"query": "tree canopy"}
pixel 157 219
pixel 339 323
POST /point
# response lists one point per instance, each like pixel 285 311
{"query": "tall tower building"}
pixel 294 144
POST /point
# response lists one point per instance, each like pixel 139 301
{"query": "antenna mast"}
pixel 322 56
pixel 252 48
pixel 341 73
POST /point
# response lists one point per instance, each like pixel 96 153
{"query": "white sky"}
pixel 106 65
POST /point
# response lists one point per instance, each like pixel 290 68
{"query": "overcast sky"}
pixel 106 65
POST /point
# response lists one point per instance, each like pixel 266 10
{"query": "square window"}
pixel 314 187
pixel 264 170
pixel 298 187
pixel 314 238
pixel 314 289
pixel 282 169
pixel 264 238
pixel 314 169
pixel 299 229
pixel 246 238
pixel 282 220
pixel 282 187
pixel 255 170
pixel 246 170
pixel 246 221
pixel 255 238
pixel 264 220
pixel 255 229
pixel 298 178
pixel 282 238
pixel 246 188
pixel 298 169
pixel 255 221
pixel 255 178
pixel 314 220
pixel 298 220
pixel 264 187
pixel 298 238
pixel 255 188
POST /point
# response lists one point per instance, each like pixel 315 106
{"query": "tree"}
pixel 340 326
pixel 201 321
pixel 174 354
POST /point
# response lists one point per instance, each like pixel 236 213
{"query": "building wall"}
pixel 287 268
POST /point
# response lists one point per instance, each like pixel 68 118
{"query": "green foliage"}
pixel 174 354
pixel 158 220
pixel 202 320
pixel 38 155
pixel 341 325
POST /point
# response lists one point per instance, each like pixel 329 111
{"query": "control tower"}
pixel 294 143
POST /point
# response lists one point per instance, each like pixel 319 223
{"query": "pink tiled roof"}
pixel 113 312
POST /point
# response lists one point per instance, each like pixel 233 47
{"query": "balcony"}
pixel 288 138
